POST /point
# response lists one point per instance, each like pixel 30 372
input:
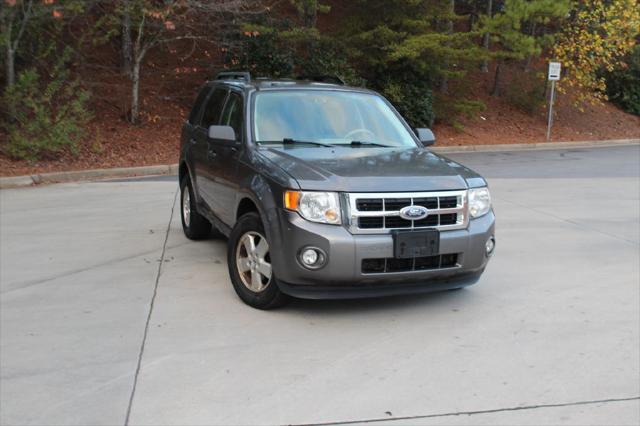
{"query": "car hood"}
pixel 371 169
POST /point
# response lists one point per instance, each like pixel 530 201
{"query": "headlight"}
pixel 322 207
pixel 479 201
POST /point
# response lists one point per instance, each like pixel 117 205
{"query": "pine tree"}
pixel 506 29
pixel 408 48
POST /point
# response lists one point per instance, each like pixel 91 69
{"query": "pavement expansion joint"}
pixel 471 413
pixel 151 305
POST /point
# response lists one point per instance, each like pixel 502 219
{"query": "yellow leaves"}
pixel 597 38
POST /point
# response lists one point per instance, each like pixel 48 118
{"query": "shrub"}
pixel 413 99
pixel 527 92
pixel 262 53
pixel 45 117
pixel 325 58
pixel 278 53
pixel 623 84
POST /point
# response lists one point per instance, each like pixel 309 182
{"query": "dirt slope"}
pixel 167 96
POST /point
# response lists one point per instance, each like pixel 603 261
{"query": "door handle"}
pixel 192 141
pixel 211 153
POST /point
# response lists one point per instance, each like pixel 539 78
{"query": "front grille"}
pixel 380 212
pixel 368 205
pixel 390 264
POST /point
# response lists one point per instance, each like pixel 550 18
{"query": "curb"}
pixel 172 169
pixel 86 175
pixel 534 146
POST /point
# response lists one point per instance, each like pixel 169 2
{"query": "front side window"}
pixel 330 117
pixel 213 109
pixel 232 114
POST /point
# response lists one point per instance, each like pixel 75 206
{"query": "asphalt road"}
pixel 109 313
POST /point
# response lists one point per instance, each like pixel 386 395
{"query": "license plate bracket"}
pixel 409 244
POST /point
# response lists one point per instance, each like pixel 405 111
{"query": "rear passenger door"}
pixel 206 175
pixel 224 158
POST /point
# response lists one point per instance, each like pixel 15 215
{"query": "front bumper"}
pixel 342 276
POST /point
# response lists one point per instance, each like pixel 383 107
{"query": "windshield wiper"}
pixel 289 141
pixel 361 143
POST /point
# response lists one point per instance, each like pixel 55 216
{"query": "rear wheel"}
pixel 194 225
pixel 249 262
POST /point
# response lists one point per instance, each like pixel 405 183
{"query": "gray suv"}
pixel 324 191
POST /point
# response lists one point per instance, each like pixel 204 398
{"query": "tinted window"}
pixel 197 106
pixel 214 107
pixel 232 115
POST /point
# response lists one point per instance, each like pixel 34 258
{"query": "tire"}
pixel 194 225
pixel 256 284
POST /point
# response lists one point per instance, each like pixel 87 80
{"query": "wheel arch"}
pixel 183 171
pixel 246 205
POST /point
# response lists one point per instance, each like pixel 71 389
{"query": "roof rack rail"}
pixel 334 79
pixel 234 75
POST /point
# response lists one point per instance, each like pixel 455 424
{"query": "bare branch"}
pixel 26 14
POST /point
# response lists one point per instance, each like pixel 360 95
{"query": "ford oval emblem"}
pixel 414 212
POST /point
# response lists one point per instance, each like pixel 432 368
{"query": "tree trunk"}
pixel 496 81
pixel 135 91
pixel 310 13
pixel 10 66
pixel 527 64
pixel 444 82
pixel 126 40
pixel 11 79
pixel 473 16
pixel 485 38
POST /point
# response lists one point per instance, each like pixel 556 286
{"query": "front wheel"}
pixel 249 262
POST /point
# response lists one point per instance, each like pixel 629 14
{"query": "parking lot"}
pixel 110 315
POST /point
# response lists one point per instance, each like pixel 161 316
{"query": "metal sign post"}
pixel 553 76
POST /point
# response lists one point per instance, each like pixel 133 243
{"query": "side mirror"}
pixel 426 136
pixel 222 133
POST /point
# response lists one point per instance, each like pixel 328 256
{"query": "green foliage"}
pixel 308 10
pixel 623 84
pixel 289 52
pixel 507 27
pixel 413 99
pixel 449 110
pixel 261 51
pixel 388 34
pixel 407 48
pixel 48 116
pixel 527 92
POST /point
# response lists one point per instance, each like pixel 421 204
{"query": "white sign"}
pixel 554 71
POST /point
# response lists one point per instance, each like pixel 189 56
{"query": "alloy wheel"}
pixel 253 261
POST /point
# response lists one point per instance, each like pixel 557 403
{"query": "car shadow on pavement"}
pixel 439 300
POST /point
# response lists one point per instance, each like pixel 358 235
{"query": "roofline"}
pixel 267 84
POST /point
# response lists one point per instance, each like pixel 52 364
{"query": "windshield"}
pixel 328 117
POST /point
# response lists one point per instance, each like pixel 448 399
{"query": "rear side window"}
pixel 213 109
pixel 232 115
pixel 197 106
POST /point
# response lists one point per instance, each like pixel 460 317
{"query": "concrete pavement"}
pixel 550 335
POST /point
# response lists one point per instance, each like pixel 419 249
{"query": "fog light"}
pixel 312 257
pixel 309 257
pixel 490 245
